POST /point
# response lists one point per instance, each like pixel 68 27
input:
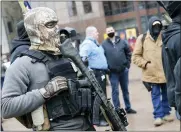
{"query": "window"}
pixel 87 6
pixel 147 4
pixel 107 8
pixel 124 24
pixel 72 8
pixel 151 4
pixel 126 6
pixel 144 22
pixel 117 7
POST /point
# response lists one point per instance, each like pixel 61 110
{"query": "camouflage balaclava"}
pixel 42 28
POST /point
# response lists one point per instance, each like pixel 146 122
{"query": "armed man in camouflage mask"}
pixel 40 77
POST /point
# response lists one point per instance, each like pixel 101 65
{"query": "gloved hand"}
pixel 54 86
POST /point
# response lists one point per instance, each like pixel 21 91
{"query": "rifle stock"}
pixel 167 18
pixel 69 51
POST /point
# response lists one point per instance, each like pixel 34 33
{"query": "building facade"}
pixel 121 15
pixel 73 14
pixel 131 14
pixel 11 14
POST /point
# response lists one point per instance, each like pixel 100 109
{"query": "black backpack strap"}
pixel 37 56
pixel 143 38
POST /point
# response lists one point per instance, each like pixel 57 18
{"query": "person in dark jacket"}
pixel 20 43
pixel 118 56
pixel 171 52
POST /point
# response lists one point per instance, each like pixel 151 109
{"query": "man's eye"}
pixel 50 24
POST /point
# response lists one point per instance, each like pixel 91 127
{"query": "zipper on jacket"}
pixel 114 45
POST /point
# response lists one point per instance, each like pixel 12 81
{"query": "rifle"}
pixel 165 16
pixel 110 114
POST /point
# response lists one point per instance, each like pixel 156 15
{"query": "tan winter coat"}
pixel 149 51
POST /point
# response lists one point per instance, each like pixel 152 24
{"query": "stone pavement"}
pixel 140 100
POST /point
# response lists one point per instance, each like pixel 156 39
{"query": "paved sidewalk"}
pixel 140 100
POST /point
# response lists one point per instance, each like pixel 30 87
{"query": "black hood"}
pixel 151 21
pixel 21 31
pixel 19 42
pixel 22 38
pixel 177 19
pixel 172 7
pixel 172 29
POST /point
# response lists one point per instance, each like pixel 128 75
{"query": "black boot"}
pixel 131 111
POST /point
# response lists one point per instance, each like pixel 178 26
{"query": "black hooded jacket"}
pixel 171 52
pixel 118 55
pixel 20 43
pixel 177 76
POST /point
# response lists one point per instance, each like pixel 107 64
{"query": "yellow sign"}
pixel 131 33
pixel 105 36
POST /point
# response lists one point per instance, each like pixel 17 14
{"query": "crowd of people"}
pixel 38 79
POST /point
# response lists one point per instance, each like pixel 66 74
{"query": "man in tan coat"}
pixel 147 55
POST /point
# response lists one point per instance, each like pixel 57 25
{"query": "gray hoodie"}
pixel 20 94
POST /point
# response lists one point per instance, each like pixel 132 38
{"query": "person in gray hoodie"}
pixel 29 85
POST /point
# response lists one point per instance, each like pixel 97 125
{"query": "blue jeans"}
pixel 160 101
pixel 178 115
pixel 122 78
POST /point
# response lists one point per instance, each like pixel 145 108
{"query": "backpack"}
pixel 143 38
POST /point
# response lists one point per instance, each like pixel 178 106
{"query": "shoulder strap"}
pixel 143 38
pixel 36 56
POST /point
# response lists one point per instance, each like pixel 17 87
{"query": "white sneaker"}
pixel 168 118
pixel 158 122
